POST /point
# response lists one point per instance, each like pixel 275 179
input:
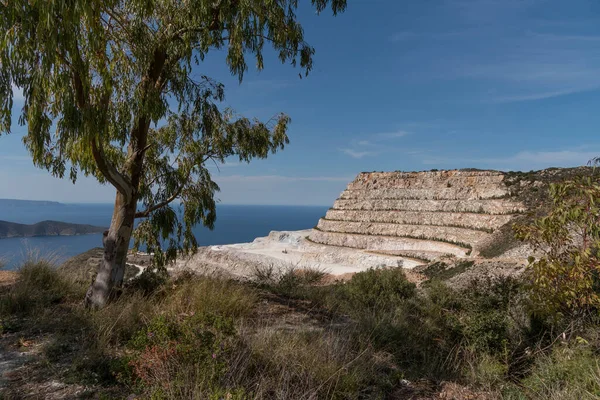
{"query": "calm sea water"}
pixel 235 224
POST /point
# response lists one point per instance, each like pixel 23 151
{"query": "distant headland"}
pixel 20 203
pixel 46 228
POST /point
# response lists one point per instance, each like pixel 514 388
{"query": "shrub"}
pixel 265 274
pixel 193 295
pixel 181 357
pixel 440 332
pixel 442 271
pixel 291 282
pixel 38 286
pixel 570 371
pixel 377 290
pixel 565 279
pixel 315 365
pixel 149 281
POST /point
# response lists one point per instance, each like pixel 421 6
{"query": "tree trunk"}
pixel 116 244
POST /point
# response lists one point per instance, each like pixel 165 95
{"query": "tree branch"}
pixel 118 180
pixel 146 213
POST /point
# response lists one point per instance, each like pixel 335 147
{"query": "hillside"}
pixel 316 311
pixel 406 219
pixel 21 203
pixel 46 228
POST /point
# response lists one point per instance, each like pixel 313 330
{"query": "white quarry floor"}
pixel 289 249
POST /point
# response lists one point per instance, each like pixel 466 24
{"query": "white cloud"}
pixel 527 160
pixel 534 67
pixel 280 189
pixel 358 154
pixel 281 178
pixel 235 189
pixel 504 55
pixel 43 186
pixel 8 157
pixel 402 36
pixel 227 165
pixel 522 161
pixel 406 36
pixel 541 95
pixel 490 11
pixel 391 135
pixel 372 147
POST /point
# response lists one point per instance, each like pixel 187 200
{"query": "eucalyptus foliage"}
pixel 114 89
pixel 565 273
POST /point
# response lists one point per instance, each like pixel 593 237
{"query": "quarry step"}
pixel 370 242
pixel 485 222
pixel 421 256
pixel 427 179
pixel 435 193
pixel 442 233
pixel 493 206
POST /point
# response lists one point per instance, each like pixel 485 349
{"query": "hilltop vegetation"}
pixel 532 189
pixel 298 335
pixel 376 337
pixel 46 228
pixel 4 203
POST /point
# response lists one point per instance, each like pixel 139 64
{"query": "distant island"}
pixel 21 203
pixel 46 228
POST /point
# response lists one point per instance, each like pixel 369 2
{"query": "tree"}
pixel 565 274
pixel 111 91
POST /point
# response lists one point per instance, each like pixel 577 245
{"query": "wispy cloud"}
pixel 280 189
pixel 403 36
pixel 536 67
pixel 358 154
pixel 376 144
pixel 522 160
pixel 408 36
pixel 540 95
pixel 500 54
pixel 543 159
pixel 282 178
pixel 9 157
pixel 480 12
pixel 227 164
pixel 391 135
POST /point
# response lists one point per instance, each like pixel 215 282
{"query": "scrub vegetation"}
pixel 376 336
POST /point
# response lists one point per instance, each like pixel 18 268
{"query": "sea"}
pixel 235 224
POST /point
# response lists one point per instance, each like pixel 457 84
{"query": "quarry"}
pixel 397 219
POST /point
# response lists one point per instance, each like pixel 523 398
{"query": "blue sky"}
pixel 400 85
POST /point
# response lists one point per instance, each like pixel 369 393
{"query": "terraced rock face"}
pixel 419 214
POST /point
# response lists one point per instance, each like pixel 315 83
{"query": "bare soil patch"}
pixel 8 277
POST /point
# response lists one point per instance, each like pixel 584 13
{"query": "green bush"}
pixel 570 371
pixel 292 282
pixel 376 290
pixel 565 272
pixel 149 281
pixel 437 332
pixel 317 364
pixel 201 337
pixel 441 270
pixel 181 357
pixel 39 285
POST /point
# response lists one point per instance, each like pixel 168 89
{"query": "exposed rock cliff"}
pixel 427 214
pixel 456 223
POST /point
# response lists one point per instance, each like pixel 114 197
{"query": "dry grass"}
pixel 8 277
pixel 290 337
